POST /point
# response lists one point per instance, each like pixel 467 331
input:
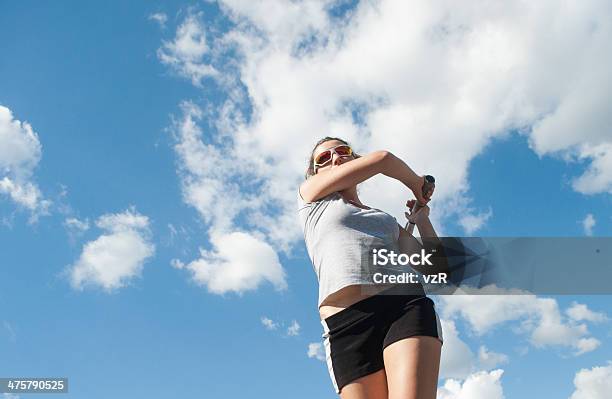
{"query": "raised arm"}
pixel 358 170
pixel 409 244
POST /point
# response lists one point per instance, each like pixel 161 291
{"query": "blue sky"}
pixel 170 167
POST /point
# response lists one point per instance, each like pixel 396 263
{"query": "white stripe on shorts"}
pixel 328 359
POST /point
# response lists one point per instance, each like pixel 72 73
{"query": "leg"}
pixel 412 366
pixel 371 386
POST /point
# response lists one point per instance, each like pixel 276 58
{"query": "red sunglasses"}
pixel 325 157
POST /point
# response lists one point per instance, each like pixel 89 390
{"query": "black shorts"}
pixel 355 337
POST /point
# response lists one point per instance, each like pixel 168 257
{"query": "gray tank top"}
pixel 340 237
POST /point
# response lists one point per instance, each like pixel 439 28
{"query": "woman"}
pixel 377 345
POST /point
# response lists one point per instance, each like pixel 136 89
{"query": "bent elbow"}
pixel 382 159
pixel 384 154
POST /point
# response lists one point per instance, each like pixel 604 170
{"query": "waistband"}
pixel 381 301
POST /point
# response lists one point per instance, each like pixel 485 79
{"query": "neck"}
pixel 351 194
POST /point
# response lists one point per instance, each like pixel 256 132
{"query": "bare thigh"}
pixel 412 365
pixel 371 386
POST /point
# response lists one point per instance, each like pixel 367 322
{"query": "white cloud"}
pixel 474 222
pixel 489 360
pixel 207 173
pixel 25 194
pixel 116 257
pixel 585 345
pixel 239 262
pixel 480 385
pixel 539 318
pixel 293 329
pixel 185 54
pixel 551 330
pixel 76 227
pixel 598 177
pixel 20 153
pixel 457 360
pixel 268 323
pixel 588 223
pixel 127 221
pixel 315 350
pixel 160 18
pixel 580 311
pixel 594 383
pixel 494 309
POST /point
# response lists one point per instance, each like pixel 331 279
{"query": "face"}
pixel 338 155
